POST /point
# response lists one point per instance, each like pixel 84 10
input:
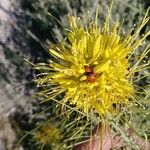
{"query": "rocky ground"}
pixel 12 94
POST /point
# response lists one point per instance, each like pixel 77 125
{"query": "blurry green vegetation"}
pixel 41 28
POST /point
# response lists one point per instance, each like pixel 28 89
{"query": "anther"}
pixel 88 69
pixel 91 76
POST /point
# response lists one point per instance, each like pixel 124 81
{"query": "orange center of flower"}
pixel 91 76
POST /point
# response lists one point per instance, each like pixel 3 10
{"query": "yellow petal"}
pixel 96 47
pixel 83 78
pixel 55 53
pixel 103 66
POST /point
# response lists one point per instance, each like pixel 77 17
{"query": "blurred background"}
pixel 25 29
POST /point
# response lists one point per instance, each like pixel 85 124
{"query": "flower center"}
pixel 91 76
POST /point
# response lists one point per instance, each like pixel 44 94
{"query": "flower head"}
pixel 92 66
pixel 48 134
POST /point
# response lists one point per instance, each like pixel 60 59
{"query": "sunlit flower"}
pixel 92 68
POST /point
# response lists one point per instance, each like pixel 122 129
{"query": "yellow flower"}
pixel 92 67
pixel 48 134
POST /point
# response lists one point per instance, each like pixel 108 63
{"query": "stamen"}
pixel 91 76
pixel 88 69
